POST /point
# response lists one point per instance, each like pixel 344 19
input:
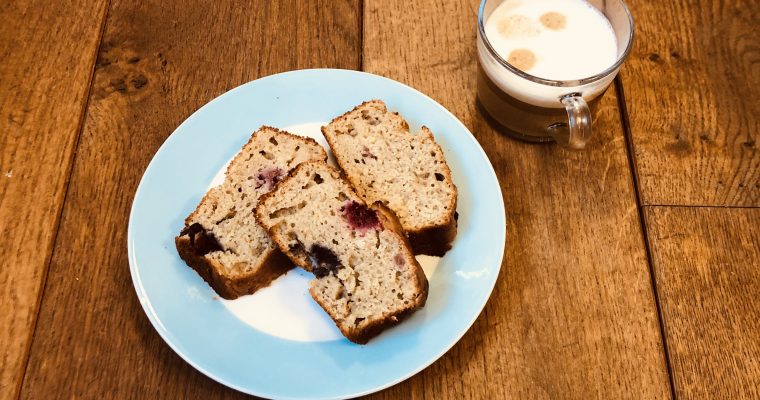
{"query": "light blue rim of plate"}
pixel 204 333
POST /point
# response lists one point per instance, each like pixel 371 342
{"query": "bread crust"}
pixel 435 241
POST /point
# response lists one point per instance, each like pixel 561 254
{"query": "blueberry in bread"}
pixel 406 172
pixel 221 240
pixel 366 276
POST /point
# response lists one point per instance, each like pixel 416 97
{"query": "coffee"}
pixel 554 45
pixel 518 118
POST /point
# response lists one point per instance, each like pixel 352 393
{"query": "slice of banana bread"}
pixel 366 277
pixel 221 240
pixel 406 172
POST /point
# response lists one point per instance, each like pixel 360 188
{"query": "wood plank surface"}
pixel 692 89
pixel 159 62
pixel 47 51
pixel 707 265
pixel 573 313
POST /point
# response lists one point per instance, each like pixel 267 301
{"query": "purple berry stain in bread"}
pixel 398 259
pixel 359 216
pixel 268 177
pixel 323 261
pixel 201 240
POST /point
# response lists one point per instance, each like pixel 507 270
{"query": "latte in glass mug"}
pixel 543 63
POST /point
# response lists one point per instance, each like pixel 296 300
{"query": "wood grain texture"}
pixel 707 270
pixel 692 86
pixel 159 62
pixel 47 51
pixel 573 313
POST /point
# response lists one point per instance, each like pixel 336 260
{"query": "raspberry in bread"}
pixel 221 240
pixel 406 172
pixel 366 277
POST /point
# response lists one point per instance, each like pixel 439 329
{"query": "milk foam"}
pixel 551 39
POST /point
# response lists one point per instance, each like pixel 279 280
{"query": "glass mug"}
pixel 535 109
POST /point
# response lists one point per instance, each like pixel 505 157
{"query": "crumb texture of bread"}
pixel 366 276
pixel 221 239
pixel 407 172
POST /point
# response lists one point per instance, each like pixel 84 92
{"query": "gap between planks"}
pixel 696 206
pixel 647 248
pixel 57 224
pixel 361 35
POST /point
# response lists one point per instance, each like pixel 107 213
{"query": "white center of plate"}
pixel 285 309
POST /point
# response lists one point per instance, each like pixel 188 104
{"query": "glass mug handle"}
pixel 577 132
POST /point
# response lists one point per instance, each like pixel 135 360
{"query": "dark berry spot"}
pixel 268 177
pixel 323 261
pixel 320 272
pixel 438 177
pixel 202 241
pixel 273 141
pixel 318 179
pixel 360 216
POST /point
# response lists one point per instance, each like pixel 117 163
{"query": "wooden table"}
pixel 632 269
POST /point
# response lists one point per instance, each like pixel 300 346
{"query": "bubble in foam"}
pixel 553 20
pixel 522 59
pixel 518 26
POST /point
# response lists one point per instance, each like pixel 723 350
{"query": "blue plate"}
pixel 203 330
